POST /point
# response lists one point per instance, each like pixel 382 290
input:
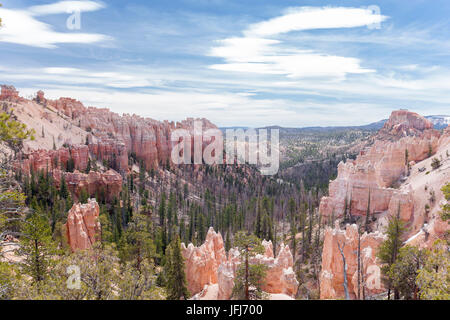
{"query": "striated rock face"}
pixel 147 139
pixel 82 226
pixel 114 152
pixel 380 166
pixel 49 160
pixel 404 122
pixel 332 274
pixel 417 198
pixel 107 184
pixel 111 137
pixel 208 264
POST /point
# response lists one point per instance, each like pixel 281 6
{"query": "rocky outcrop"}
pixel 280 277
pixel 97 184
pixel 203 262
pixel 209 264
pixel 332 274
pixel 112 151
pixel 147 139
pixel 379 167
pixel 9 93
pixel 82 226
pixel 396 172
pixel 112 138
pixel 108 184
pixel 49 160
pixel 405 123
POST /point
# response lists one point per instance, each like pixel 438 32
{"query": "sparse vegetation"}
pixel 435 163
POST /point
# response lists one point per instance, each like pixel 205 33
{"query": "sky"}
pixel 249 63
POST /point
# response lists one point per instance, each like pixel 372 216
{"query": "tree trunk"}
pixel 359 266
pixel 247 297
pixel 347 296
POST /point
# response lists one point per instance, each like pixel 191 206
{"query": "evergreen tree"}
pixel 70 164
pixel 138 246
pixel 389 249
pixel 445 213
pixel 88 167
pixel 248 275
pixel 176 284
pixel 84 195
pixel 37 247
pixel 405 270
pixel 14 132
pixel 433 278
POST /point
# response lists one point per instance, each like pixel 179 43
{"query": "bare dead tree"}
pixel 347 296
pixel 359 264
pixel 363 281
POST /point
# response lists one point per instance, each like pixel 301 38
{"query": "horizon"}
pixel 294 64
pixel 32 95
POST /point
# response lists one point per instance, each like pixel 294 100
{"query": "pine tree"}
pixel 176 284
pixel 84 195
pixel 248 275
pixel 70 164
pixel 433 278
pixel 445 213
pixel 139 245
pixel 389 249
pixel 88 167
pixel 37 247
pixel 14 132
pixel 404 271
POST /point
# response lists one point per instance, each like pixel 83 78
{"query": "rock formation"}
pixel 49 160
pixel 147 139
pixel 395 171
pixel 82 226
pixel 332 274
pixel 9 93
pixel 108 183
pixel 379 167
pixel 208 264
pixel 203 262
pixel 111 137
pixel 104 184
pixel 112 151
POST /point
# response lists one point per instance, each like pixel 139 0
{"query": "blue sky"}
pixel 247 62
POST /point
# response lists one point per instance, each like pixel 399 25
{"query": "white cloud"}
pixel 65 7
pixel 310 18
pixel 254 53
pixel 21 27
pixel 299 64
pixel 60 70
pixel 76 76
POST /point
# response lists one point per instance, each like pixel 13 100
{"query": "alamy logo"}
pixel 240 146
pixel 74 279
pixel 73 22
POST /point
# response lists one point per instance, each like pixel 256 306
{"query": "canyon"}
pixel 109 136
pixel 395 172
pixel 96 151
pixel 105 138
